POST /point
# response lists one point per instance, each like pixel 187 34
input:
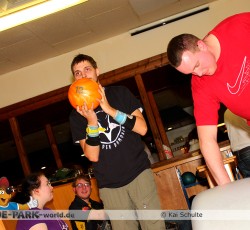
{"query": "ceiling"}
pixel 79 26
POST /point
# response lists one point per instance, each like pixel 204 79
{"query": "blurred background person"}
pixel 239 135
pixel 82 189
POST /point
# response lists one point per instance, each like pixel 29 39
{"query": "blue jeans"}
pixel 243 158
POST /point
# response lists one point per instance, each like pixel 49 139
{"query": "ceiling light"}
pixel 221 124
pixel 34 12
pixel 168 20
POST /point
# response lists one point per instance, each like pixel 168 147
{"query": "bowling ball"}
pixel 83 91
pixel 188 178
pixel 201 179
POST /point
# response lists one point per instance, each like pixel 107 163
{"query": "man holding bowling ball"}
pixel 110 137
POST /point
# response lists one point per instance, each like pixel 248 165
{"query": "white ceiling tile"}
pixel 96 7
pixel 28 51
pixel 6 64
pixel 14 36
pixel 76 42
pixel 124 19
pixel 63 26
pixel 145 6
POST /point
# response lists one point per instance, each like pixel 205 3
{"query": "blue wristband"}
pixel 120 117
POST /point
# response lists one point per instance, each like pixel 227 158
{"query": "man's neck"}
pixel 213 45
pixel 85 200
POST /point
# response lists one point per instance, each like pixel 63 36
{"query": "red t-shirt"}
pixel 230 83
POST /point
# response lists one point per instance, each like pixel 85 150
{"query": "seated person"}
pixel 82 189
pixel 39 187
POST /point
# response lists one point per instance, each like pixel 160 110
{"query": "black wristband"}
pixel 130 122
pixel 93 141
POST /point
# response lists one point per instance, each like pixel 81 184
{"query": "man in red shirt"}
pixel 220 67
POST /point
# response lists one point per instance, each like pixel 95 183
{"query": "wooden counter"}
pixel 174 161
pixel 169 187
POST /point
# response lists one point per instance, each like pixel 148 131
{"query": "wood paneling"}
pixel 168 184
pixel 19 144
pixel 52 141
pixel 169 190
pixel 150 116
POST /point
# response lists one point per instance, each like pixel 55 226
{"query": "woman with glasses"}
pixel 41 218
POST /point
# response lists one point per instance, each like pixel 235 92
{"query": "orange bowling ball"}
pixel 83 91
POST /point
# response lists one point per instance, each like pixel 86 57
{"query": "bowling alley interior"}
pixel 128 39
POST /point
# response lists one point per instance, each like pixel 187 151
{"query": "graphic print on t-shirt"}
pixel 242 80
pixel 112 134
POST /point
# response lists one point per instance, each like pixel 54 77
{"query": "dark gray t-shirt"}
pixel 122 157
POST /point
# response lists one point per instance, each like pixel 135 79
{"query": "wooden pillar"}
pixel 20 146
pixel 150 116
pixel 53 145
pixel 158 120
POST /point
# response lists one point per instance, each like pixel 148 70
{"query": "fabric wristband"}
pixel 92 131
pixel 130 122
pixel 127 121
pixel 120 117
pixel 93 141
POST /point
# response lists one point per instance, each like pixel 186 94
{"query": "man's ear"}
pixel 201 45
pixel 97 71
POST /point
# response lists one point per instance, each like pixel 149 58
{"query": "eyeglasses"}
pixel 80 185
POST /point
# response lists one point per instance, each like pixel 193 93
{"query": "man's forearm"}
pixel 214 161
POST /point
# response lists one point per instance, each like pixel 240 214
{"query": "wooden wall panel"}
pixel 169 190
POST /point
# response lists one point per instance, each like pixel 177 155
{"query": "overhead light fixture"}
pixel 168 20
pixel 32 12
pixel 221 124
